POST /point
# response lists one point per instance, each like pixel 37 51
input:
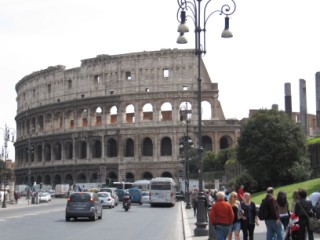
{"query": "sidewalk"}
pixel 189 225
pixel 22 202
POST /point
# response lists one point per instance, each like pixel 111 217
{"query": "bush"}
pixel 245 179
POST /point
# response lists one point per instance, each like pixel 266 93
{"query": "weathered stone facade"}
pixel 119 117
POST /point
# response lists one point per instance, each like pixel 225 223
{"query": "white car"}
pixel 106 199
pixel 44 197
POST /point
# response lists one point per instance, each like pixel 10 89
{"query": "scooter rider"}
pixel 126 198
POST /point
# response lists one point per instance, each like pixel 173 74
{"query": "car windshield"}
pixel 80 197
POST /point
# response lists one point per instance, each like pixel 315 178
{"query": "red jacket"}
pixel 221 213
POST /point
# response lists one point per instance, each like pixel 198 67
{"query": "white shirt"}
pixel 314 198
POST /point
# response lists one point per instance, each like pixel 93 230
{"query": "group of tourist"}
pixel 229 215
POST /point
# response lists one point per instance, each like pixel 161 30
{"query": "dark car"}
pixel 83 204
pixel 120 193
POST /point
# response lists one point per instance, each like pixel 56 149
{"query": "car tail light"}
pixel 91 199
pixel 68 199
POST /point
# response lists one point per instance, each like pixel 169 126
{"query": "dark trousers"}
pixel 247 229
pixel 303 227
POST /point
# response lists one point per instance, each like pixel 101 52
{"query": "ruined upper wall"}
pixel 105 75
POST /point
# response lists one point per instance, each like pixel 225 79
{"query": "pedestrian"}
pixel 315 199
pixel 295 199
pixel 240 193
pixel 283 206
pixel 16 197
pixel 237 212
pixel 306 204
pixel 221 216
pixel 272 221
pixel 250 218
pixel 194 202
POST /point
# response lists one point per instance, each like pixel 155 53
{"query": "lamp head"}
pixel 226 32
pixel 182 39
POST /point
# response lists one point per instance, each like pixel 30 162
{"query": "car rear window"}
pixel 103 195
pixel 83 197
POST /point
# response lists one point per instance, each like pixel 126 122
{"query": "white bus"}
pixel 143 185
pixel 162 191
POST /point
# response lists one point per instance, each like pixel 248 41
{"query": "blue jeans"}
pixel 274 230
pixel 221 231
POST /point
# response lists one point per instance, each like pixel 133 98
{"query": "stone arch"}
pixel 57 179
pixel 81 178
pixel 57 151
pixel 185 113
pixel 68 179
pixel 147 176
pixel 98 116
pixel 58 120
pixel 129 114
pixel 166 112
pixel 39 179
pixel 147 112
pixel 82 147
pixel 112 148
pixel 96 149
pixel 48 122
pixel 82 117
pixel 113 115
pixel 94 177
pixel 147 147
pixel 206 143
pixel 69 118
pixel 40 123
pixel 68 150
pixel 206 110
pixel 129 148
pixel 129 177
pixel 47 152
pixel 39 153
pixel 113 176
pixel 166 174
pixel 225 142
pixel 47 180
pixel 166 147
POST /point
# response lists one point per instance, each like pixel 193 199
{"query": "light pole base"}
pixel 201 229
pixel 4 204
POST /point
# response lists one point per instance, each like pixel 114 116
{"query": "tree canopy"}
pixel 272 147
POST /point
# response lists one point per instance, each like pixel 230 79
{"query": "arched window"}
pixel 57 151
pixel 166 147
pixel 129 150
pixel 112 149
pixel 147 147
pixel 166 112
pixel 206 143
pixel 96 149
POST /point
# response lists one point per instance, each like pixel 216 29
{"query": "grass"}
pixel 310 186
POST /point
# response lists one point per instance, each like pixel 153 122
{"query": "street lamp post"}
pixel 195 8
pixel 4 154
pixel 186 142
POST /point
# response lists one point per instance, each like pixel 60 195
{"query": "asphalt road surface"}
pixel 46 221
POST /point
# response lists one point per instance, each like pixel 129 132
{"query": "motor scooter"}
pixel 126 202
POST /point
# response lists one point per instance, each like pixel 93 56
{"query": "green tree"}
pixel 272 147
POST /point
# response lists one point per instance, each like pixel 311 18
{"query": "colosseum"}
pixel 119 117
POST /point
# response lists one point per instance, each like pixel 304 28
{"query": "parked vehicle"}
pixel 61 190
pixel 83 204
pixel 136 195
pixel 145 197
pixel 106 199
pixel 180 196
pixel 44 197
pixel 113 193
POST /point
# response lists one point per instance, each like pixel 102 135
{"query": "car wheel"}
pixel 94 218
pixel 100 217
pixel 67 219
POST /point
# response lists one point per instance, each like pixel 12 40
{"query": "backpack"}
pixel 263 210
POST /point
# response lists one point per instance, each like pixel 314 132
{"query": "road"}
pixel 46 221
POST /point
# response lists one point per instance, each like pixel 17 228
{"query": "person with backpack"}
pixel 269 212
pixel 249 218
pixel 303 207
